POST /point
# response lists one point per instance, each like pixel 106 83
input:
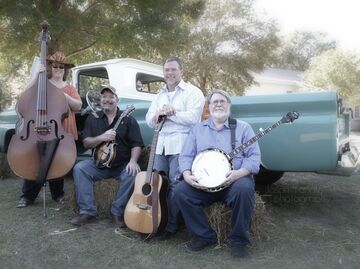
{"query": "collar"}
pixel 209 122
pixel 102 114
pixel 180 86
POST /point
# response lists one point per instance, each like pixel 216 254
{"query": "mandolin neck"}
pixel 118 122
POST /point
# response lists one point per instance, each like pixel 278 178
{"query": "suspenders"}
pixel 232 125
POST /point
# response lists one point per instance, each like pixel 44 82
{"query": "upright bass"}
pixel 40 149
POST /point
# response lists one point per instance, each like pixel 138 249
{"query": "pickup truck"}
pixel 316 142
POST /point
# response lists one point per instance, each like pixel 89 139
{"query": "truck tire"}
pixel 267 177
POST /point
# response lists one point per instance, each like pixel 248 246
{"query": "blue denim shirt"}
pixel 204 135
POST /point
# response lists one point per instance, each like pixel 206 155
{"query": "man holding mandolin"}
pixel 236 189
pixel 119 134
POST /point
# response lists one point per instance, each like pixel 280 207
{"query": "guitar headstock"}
pixel 160 123
pixel 290 117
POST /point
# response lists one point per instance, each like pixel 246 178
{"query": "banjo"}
pixel 211 165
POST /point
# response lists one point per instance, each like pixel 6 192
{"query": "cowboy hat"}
pixel 59 57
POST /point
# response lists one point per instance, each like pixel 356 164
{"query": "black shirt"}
pixel 128 134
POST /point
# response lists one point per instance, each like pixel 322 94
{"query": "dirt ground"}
pixel 313 222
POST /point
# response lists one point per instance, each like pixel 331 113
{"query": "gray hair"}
pixel 218 91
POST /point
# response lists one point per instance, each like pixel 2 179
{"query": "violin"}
pixel 40 149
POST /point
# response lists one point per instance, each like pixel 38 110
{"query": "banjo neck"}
pixel 251 141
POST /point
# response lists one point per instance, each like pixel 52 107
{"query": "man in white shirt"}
pixel 182 103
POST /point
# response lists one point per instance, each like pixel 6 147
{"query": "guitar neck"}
pixel 251 141
pixel 152 154
pixel 150 166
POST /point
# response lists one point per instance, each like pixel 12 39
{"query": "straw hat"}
pixel 59 57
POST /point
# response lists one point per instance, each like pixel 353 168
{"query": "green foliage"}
pixel 337 70
pixel 228 41
pixel 89 30
pixel 5 94
pixel 299 48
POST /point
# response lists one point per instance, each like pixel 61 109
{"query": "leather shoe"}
pixel 166 235
pixel 23 202
pixel 239 251
pixel 82 219
pixel 60 200
pixel 198 245
pixel 119 221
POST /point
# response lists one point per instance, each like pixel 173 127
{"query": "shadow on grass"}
pixel 314 223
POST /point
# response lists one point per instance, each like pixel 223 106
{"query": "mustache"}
pixel 108 102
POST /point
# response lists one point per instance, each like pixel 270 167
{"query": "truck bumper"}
pixel 349 164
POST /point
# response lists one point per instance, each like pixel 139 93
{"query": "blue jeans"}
pixel 170 165
pixel 240 196
pixel 85 174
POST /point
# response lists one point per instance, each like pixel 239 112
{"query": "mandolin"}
pixel 105 153
pixel 146 210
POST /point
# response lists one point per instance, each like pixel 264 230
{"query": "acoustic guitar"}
pixel 105 153
pixel 146 210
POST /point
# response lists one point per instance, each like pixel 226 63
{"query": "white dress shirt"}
pixel 188 102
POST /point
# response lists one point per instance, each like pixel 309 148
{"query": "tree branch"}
pixel 81 49
pixel 90 7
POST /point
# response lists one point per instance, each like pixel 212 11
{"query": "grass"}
pixel 314 223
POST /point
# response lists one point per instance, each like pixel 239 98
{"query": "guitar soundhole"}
pixel 146 189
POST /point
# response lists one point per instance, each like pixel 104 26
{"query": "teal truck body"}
pixel 318 141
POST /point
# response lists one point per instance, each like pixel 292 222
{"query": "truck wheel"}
pixel 267 177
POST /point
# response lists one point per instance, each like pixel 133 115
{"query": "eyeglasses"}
pixel 61 66
pixel 220 102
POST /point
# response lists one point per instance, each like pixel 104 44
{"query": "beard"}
pixel 108 107
pixel 220 114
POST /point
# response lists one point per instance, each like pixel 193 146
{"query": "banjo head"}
pixel 210 168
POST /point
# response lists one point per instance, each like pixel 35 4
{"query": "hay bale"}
pixel 219 216
pixel 144 157
pixel 104 191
